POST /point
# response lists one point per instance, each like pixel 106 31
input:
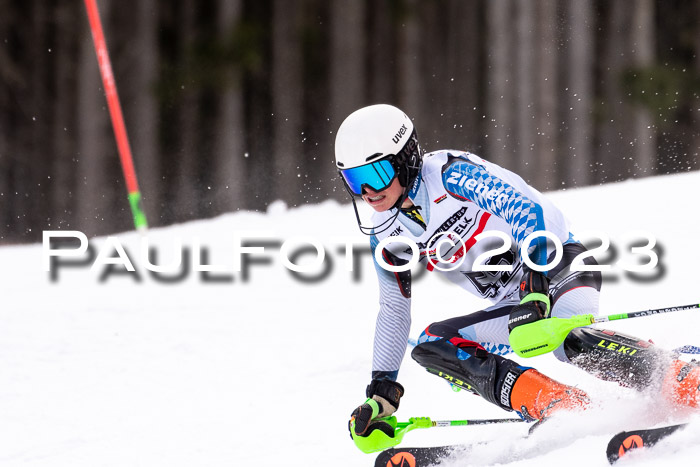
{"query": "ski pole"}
pixel 638 314
pixel 379 440
pixel 545 335
pixel 426 422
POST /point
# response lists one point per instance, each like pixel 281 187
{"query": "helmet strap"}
pixel 402 198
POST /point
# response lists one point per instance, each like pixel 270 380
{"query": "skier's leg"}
pixel 573 292
pixel 610 355
pixel 613 356
pixel 489 328
pixel 499 380
pixel 633 362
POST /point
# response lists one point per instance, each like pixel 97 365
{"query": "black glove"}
pixel 386 394
pixel 534 300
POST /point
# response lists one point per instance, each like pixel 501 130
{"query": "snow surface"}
pixel 266 372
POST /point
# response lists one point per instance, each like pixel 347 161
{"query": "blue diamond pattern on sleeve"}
pixel 498 349
pixel 466 180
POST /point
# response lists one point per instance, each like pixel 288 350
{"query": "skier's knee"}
pixel 438 330
pixel 576 301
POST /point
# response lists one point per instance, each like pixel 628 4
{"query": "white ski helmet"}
pixel 375 145
pixel 378 132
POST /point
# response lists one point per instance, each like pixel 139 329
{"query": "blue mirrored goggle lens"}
pixel 377 175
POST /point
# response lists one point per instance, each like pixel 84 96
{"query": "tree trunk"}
pixel 579 97
pixel 10 79
pixel 527 165
pixel 642 55
pixel 287 101
pixel 348 70
pixel 437 122
pixel 546 122
pixel 188 181
pixel 616 152
pixel 409 83
pixel 39 150
pixel 94 148
pixel 499 105
pixel 229 147
pixel 319 176
pixel 258 109
pixel 463 74
pixel 380 44
pixel 142 121
pixel 694 152
pixel 70 17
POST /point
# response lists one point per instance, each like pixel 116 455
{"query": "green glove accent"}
pixel 375 407
pixel 545 335
pixel 537 297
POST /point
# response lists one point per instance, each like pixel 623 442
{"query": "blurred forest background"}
pixel 232 104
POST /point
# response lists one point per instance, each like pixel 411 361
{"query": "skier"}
pixel 455 196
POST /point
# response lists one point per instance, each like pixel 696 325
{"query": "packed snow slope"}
pixel 105 368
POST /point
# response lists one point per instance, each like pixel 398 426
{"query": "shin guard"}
pixel 468 365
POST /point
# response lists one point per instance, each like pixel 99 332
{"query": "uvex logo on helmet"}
pixel 399 134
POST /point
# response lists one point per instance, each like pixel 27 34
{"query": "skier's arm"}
pixel 394 317
pixel 466 180
pixel 390 340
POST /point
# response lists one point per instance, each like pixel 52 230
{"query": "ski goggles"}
pixel 377 176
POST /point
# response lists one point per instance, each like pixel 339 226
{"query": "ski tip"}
pixel 627 441
pixel 621 443
pixel 394 457
pixel 412 457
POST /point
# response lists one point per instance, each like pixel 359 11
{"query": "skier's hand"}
pixel 383 400
pixel 534 300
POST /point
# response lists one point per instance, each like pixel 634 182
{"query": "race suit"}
pixel 459 195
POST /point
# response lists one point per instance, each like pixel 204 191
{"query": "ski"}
pixel 626 441
pixel 412 457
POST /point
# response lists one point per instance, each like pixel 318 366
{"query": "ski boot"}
pixel 681 384
pixel 537 396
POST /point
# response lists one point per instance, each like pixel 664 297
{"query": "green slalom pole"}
pixel 378 440
pixel 426 422
pixel 545 335
pixel 638 314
